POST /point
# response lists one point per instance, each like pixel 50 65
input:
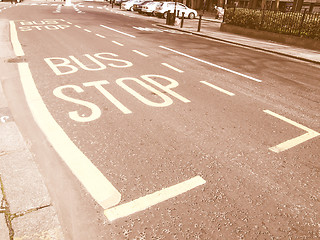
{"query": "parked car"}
pixel 150 7
pixel 129 4
pixel 163 9
pixel 138 6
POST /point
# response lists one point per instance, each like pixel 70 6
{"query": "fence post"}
pixel 301 24
pixel 199 24
pixel 262 19
pixel 182 19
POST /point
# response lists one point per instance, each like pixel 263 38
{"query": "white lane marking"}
pixel 15 41
pixel 218 88
pixel 129 35
pixel 212 64
pixel 173 68
pixel 69 22
pixel 99 7
pixel 120 44
pixel 100 36
pixel 147 201
pixel 77 26
pixel 63 20
pixel 294 141
pixel 86 30
pixel 55 4
pixel 92 179
pixel 140 53
pixel 90 6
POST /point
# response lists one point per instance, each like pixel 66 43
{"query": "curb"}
pixel 240 44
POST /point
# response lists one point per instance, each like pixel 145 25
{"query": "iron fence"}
pixel 293 23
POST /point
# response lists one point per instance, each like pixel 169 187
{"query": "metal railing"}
pixel 292 23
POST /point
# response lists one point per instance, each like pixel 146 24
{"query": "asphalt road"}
pixel 188 131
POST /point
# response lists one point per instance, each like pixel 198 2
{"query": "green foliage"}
pixel 298 24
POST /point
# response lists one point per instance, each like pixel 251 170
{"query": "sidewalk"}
pixel 210 28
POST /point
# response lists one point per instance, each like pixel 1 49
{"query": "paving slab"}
pixel 40 224
pixel 24 186
pixel 4 232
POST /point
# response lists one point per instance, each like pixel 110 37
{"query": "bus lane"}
pixel 148 127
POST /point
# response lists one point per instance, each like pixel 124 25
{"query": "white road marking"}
pixel 173 68
pixel 15 41
pixel 86 30
pixel 294 141
pixel 77 26
pixel 120 44
pixel 63 20
pixel 90 6
pixel 145 202
pixel 92 179
pixel 140 53
pixel 69 22
pixel 212 64
pixel 218 88
pixel 129 35
pixel 99 7
pixel 100 36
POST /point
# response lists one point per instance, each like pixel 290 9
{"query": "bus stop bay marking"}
pixel 42 25
pixel 150 200
pixel 294 141
pixel 148 82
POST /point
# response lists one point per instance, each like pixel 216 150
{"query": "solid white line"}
pixel 145 202
pixel 212 64
pixel 129 35
pixel 86 30
pixel 15 41
pixel 140 53
pixel 173 68
pixel 218 88
pixel 120 44
pixel 92 179
pixel 100 36
pixel 77 26
pixel 294 141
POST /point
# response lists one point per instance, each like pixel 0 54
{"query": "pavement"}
pixel 26 209
pixel 210 28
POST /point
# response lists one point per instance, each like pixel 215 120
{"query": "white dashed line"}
pixel 211 64
pixel 100 36
pixel 112 29
pixel 86 30
pixel 173 68
pixel 77 26
pixel 147 201
pixel 69 22
pixel 140 53
pixel 90 6
pixel 120 44
pixel 218 88
pixel 294 141
pixel 99 7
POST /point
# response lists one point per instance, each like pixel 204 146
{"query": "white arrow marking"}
pixel 294 141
